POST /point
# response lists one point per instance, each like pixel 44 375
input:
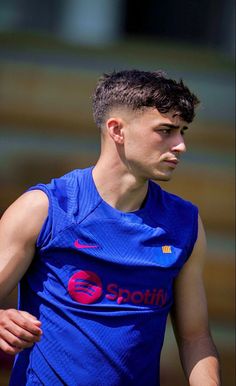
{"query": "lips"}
pixel 175 161
pixel 172 161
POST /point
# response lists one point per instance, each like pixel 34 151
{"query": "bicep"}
pixel 189 314
pixel 19 229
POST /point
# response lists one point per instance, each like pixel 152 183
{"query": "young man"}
pixel 104 254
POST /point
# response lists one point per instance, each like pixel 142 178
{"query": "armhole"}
pixel 194 231
pixel 45 234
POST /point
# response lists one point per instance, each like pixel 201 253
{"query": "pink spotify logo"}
pixel 85 287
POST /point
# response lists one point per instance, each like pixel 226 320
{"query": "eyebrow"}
pixel 172 126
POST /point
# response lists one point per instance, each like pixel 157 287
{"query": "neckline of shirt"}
pixel 143 210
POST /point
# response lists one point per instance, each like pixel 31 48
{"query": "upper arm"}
pixel 189 313
pixel 19 229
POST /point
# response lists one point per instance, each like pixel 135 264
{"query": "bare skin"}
pixel 19 229
pixel 190 320
pixel 135 147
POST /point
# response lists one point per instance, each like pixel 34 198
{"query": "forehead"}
pixel 155 117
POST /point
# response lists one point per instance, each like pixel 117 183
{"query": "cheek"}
pixel 143 145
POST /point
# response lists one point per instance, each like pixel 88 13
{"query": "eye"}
pixel 165 131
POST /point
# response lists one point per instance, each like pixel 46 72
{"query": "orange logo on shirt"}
pixel 166 249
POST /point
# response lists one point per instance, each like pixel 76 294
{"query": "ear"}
pixel 115 130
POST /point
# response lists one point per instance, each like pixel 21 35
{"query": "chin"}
pixel 162 178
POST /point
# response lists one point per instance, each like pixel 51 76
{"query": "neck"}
pixel 117 186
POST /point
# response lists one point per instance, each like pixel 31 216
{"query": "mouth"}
pixel 173 162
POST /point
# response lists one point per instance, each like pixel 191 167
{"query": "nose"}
pixel 179 145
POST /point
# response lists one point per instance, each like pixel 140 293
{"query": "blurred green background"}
pixel 51 55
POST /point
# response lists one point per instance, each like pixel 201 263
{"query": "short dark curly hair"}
pixel 137 90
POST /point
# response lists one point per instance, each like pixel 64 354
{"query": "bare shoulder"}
pixel 189 313
pixel 198 256
pixel 33 199
pixel 27 214
pixel 191 273
pixel 19 228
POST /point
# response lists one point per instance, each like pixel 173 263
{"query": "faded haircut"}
pixel 137 90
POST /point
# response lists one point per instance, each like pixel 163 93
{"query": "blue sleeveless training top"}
pixel 101 283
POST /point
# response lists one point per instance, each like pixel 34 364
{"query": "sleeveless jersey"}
pixel 101 283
